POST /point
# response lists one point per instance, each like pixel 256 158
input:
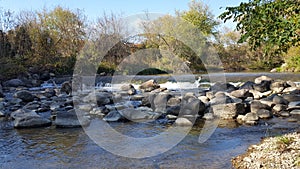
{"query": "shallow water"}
pixel 72 148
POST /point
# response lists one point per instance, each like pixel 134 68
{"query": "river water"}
pixel 71 148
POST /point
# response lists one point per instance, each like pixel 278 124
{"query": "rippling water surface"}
pixel 72 148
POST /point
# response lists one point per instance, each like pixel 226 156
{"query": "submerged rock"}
pixel 71 118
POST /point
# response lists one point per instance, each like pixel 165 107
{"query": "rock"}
pixel 260 79
pixel 257 105
pixel 248 85
pixel 24 95
pixel 193 107
pixel 32 106
pixel 241 93
pixel 208 116
pixel 149 85
pixel 71 118
pixel 290 90
pixel 183 122
pixel 113 116
pixel 45 76
pixel 240 119
pixel 280 100
pixel 66 87
pixel 264 114
pixel 284 114
pixel 2 113
pixel 251 117
pixel 139 114
pixel 294 105
pixel 160 102
pixel 99 111
pixel 274 70
pixel 295 112
pixel 14 83
pixel 228 111
pixel 279 107
pixel 31 121
pixel 204 99
pixel 220 100
pixel 174 101
pixel 171 117
pixel 263 86
pixel 101 98
pixel 291 97
pixel 129 88
pixel 278 86
pixel 173 110
pixel 222 87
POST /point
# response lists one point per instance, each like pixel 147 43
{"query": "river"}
pixel 71 148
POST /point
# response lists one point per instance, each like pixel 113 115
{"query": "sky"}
pixel 95 8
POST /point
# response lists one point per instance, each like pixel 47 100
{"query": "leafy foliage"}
pixel 271 24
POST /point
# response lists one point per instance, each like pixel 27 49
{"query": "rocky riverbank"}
pixel 246 103
pixel 275 152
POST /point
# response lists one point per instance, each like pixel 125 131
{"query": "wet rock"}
pixel 113 116
pixel 31 121
pixel 204 99
pixel 228 111
pixel 32 105
pixel 45 76
pixel 24 95
pixel 101 98
pixel 14 83
pixel 183 122
pixel 284 114
pixel 139 114
pixel 71 118
pixel 173 110
pixel 241 93
pixel 99 111
pixel 149 86
pixel 260 79
pixel 257 105
pixel 264 114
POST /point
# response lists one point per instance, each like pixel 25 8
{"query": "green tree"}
pixel 272 25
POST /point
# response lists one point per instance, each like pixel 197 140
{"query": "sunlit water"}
pixel 72 148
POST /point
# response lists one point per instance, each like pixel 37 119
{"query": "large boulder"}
pixel 228 111
pixel 71 118
pixel 278 86
pixel 24 95
pixel 140 114
pixel 14 83
pixel 193 107
pixel 31 121
pixel 149 86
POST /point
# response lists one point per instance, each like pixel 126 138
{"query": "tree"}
pixel 270 24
